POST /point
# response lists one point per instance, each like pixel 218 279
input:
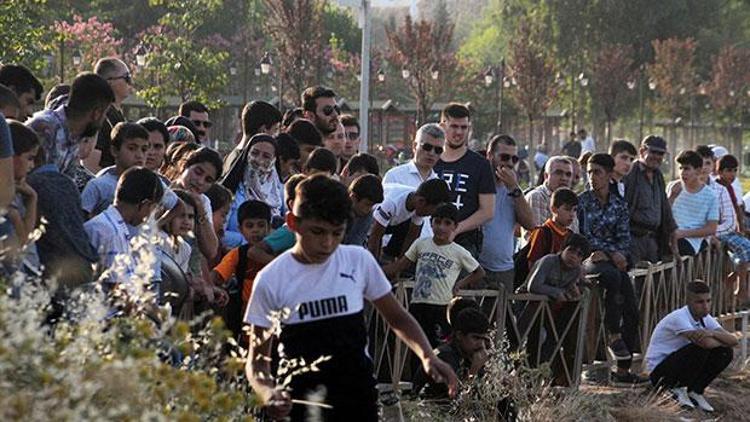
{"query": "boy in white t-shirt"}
pixel 689 349
pixel 439 263
pixel 322 286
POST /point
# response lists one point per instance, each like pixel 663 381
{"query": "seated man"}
pixel 689 349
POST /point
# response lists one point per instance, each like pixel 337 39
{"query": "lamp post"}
pixel 265 69
pixel 77 58
pixel 497 75
pixel 140 56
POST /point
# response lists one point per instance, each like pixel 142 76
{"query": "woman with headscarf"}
pixel 253 176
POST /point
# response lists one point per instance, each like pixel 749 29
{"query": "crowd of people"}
pixel 296 221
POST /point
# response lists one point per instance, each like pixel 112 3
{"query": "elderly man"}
pixel 117 75
pixel 558 173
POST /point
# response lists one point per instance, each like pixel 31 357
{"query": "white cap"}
pixel 719 151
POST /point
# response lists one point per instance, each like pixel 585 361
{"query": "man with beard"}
pixel 24 84
pixel 469 176
pixel 197 112
pixel 319 105
pixel 117 74
pixel 62 130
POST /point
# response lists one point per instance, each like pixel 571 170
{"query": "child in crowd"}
pixel 174 159
pixel 403 203
pixel 22 211
pixel 321 160
pixel 319 288
pixel 549 237
pixel 624 154
pixel 221 199
pixel 359 165
pixel 176 226
pixel 365 191
pixel 439 263
pixel 255 222
pixel 138 192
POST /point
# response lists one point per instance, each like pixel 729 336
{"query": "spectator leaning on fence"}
pixel 689 349
pixel 623 152
pixel 694 204
pixel 651 223
pixel 603 218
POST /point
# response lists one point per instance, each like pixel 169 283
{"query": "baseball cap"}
pixel 655 143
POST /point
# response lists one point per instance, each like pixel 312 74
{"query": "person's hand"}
pixel 599 256
pixel 278 405
pixel 25 190
pixel 675 190
pixel 221 296
pixel 441 372
pixel 620 261
pixel 715 241
pixel 478 359
pixel 200 212
pixel 460 285
pixel 673 244
pixel 507 177
pixel 573 293
pixel 678 234
pixel 698 335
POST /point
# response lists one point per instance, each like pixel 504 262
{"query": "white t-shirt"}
pixel 438 268
pixel 392 211
pixel 313 292
pixel 407 174
pixel 667 337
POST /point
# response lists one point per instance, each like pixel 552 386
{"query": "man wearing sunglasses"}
pixel 117 75
pixel 319 105
pixel 351 142
pixel 197 112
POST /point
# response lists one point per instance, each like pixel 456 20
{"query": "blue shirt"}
pixel 607 226
pixel 498 245
pixel 110 237
pixel 694 210
pixel 99 192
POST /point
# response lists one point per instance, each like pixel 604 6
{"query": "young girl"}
pixel 22 212
pixel 178 224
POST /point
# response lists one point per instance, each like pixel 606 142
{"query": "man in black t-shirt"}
pixel 469 177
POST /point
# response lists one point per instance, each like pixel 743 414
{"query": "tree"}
pixel 611 71
pixel 533 70
pixel 91 38
pixel 730 81
pixel 419 48
pixel 23 32
pixel 673 72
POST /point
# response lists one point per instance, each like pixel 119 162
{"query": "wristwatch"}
pixel 515 193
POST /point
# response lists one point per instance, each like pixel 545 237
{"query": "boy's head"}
pixel 321 211
pixel 254 219
pixel 599 169
pixel 25 148
pixel 707 157
pixel 158 139
pixel 321 161
pixel 130 145
pixel 359 165
pixel 458 304
pixel 140 188
pixel 623 153
pixel 690 164
pixel 470 331
pixel 308 137
pixel 365 191
pixel 727 168
pixel 564 206
pixel 698 298
pixel 290 188
pixel 220 198
pixel 444 220
pixel 429 195
pixel 574 250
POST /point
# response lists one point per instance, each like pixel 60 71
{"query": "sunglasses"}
pixel 353 136
pixel 508 157
pixel 126 77
pixel 204 123
pixel 328 110
pixel 431 148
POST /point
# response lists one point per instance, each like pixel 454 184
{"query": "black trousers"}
pixel 620 304
pixel 692 366
pixel 686 249
pixel 433 320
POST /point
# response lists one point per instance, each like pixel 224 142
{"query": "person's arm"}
pixel 538 281
pixel 260 253
pixel 470 280
pixel 674 191
pixel 406 328
pixel 522 209
pixel 30 201
pixel 394 268
pixel 204 232
pixel 376 239
pixel 484 213
pixel 708 229
pixel 710 339
pixel 411 236
pixel 7 190
pixel 277 403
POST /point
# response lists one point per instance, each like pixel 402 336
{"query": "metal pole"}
pixel 501 81
pixel 364 88
pixel 640 100
pixel 573 108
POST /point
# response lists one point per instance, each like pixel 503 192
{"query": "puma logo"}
pixel 349 276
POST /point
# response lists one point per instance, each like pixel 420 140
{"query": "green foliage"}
pixel 24 34
pixel 342 23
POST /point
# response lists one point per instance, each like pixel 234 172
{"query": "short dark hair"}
pixel 363 161
pixel 446 210
pixel 106 67
pixel 20 79
pixel 455 111
pixel 254 209
pixel 311 94
pixel 622 145
pixel 88 92
pixel 8 98
pixel 471 321
pixel 603 159
pixel 698 287
pixel 205 155
pixel 188 106
pixel 577 242
pixel 728 161
pixel 286 147
pixel 690 158
pixel 564 196
pixel 138 184
pixel 320 197
pixel 54 94
pixel 127 130
pixel 704 151
pixel 290 187
pixel 501 139
pixel 349 120
pixel 457 305
pixel 305 133
pixel 219 196
pixel 24 138
pixel 187 198
pixel 152 124
pixel 291 115
pixel 256 114
pixel 368 186
pixel 321 159
pixel 434 191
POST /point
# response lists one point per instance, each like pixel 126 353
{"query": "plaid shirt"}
pixel 607 227
pixel 60 148
pixel 539 200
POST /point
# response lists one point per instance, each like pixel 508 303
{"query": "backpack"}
pixel 521 260
pixel 234 309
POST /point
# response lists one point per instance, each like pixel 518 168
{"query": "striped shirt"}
pixel 694 210
pixel 727 216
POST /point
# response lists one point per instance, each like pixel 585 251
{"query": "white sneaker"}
pixel 681 395
pixel 701 401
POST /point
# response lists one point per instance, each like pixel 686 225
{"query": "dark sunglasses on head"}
pixel 430 148
pixel 126 77
pixel 352 136
pixel 328 110
pixel 204 123
pixel 508 157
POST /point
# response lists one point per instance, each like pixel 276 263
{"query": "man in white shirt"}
pixel 587 142
pixel 689 349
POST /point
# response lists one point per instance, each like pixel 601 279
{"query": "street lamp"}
pixel 140 56
pixel 265 64
pixel 651 84
pixel 232 69
pixel 434 72
pixel 381 75
pixel 77 58
pixel 583 79
pixel 405 73
pixel 489 77
pixel 257 71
